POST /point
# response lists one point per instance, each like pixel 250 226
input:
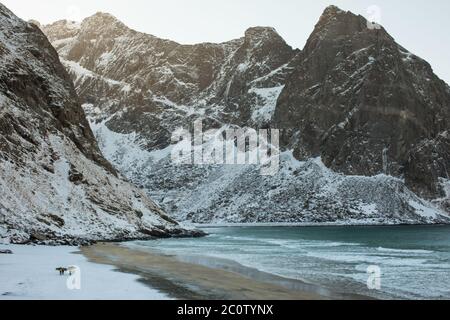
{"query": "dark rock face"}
pixel 352 96
pixel 55 185
pixel 428 162
pixel 50 96
pixel 357 97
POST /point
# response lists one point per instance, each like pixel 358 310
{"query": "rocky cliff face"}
pixel 55 185
pixel 366 105
pixel 363 120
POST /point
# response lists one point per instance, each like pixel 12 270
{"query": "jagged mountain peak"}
pixel 259 36
pixel 64 23
pixel 335 23
pixel 100 24
pixel 332 10
pixel 60 29
pixel 100 15
pixel 105 24
pixel 261 32
pixel 333 15
pixel 102 18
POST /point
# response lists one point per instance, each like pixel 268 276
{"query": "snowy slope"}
pixel 55 185
pixel 301 192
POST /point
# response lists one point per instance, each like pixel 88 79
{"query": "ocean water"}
pixel 414 260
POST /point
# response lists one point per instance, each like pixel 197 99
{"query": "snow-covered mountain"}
pixel 55 185
pixel 364 121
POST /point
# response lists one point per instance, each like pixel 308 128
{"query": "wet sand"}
pixel 185 278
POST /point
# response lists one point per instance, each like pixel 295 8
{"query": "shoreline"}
pixel 185 278
pixel 313 225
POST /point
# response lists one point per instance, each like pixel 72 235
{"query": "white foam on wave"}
pixel 369 258
pixel 293 244
pixel 406 251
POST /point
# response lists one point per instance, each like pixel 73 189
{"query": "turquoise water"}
pixel 414 260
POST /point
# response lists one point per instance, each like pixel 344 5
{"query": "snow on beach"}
pixel 30 273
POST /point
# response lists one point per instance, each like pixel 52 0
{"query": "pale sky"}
pixel 420 26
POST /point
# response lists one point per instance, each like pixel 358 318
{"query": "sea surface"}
pixel 414 260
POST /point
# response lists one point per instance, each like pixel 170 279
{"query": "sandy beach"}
pixel 185 280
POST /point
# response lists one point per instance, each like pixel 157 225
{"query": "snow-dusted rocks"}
pixel 55 185
pixel 352 98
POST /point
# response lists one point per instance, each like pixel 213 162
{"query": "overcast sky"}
pixel 420 26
